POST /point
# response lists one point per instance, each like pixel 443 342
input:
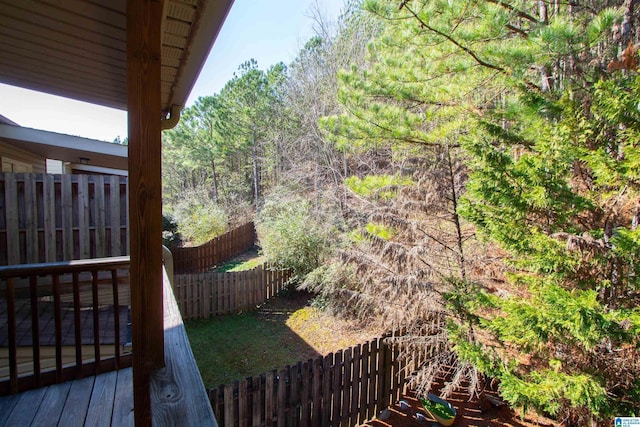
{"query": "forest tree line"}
pixel 464 172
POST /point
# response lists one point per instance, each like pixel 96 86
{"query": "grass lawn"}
pixel 247 261
pixel 284 331
pixel 240 265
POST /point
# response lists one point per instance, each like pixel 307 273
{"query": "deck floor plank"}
pixel 123 403
pixel 101 404
pixel 93 401
pixel 178 395
pixel 50 409
pixel 75 408
pixel 25 410
pixel 6 407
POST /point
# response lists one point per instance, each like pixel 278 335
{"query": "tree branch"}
pixel 518 12
pixel 452 40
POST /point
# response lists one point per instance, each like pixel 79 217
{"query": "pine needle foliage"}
pixel 519 121
pixel 570 203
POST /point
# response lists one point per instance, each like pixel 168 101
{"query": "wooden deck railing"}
pixel 178 396
pixel 62 321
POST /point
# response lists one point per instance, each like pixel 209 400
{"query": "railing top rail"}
pixel 80 265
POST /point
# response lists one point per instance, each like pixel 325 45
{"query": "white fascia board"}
pixel 98 169
pixel 66 147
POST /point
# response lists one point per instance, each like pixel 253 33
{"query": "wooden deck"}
pixel 178 396
pixel 103 400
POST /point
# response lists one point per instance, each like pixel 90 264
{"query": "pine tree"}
pixel 549 136
pixel 565 208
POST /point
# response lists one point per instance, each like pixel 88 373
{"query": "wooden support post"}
pixel 144 18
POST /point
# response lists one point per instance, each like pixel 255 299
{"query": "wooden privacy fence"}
pixel 204 295
pixel 202 258
pixel 344 388
pixel 49 218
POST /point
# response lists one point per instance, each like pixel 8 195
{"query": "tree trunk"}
pixel 215 181
pixel 456 217
pixel 255 170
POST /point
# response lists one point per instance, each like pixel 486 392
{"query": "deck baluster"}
pixel 96 319
pixel 57 312
pixel 11 314
pixel 35 328
pixel 77 325
pixel 116 317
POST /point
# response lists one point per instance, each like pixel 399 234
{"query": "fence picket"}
pixel 114 217
pixel 50 218
pixel 201 258
pixel 12 219
pixel 327 376
pixel 374 351
pixel 346 387
pixel 257 401
pixel 282 394
pixel 337 387
pixel 49 211
pixel 31 217
pixel 294 405
pixel 228 406
pixel 364 383
pixel 356 375
pixel 210 294
pixel 82 202
pixel 343 388
pixel 388 374
pixel 207 296
pixel 242 403
pixel 304 393
pixel 100 217
pixel 316 395
pixel 268 398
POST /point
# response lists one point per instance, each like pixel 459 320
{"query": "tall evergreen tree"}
pixel 549 136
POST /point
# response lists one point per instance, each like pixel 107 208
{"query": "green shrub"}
pixel 170 235
pixel 199 218
pixel 378 186
pixel 290 237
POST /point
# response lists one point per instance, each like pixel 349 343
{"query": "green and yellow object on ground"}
pixel 439 409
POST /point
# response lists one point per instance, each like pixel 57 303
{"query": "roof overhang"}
pixel 67 148
pixel 77 48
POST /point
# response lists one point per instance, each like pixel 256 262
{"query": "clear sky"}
pixel 269 31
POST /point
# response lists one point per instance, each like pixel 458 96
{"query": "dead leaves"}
pixel 628 60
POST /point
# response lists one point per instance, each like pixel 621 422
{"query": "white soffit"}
pixel 77 48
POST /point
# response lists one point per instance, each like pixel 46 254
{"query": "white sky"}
pixel 269 31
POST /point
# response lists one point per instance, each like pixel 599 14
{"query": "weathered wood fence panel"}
pixel 203 295
pixel 49 218
pixel 199 259
pixel 345 388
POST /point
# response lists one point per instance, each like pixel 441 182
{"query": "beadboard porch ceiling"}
pixel 77 48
